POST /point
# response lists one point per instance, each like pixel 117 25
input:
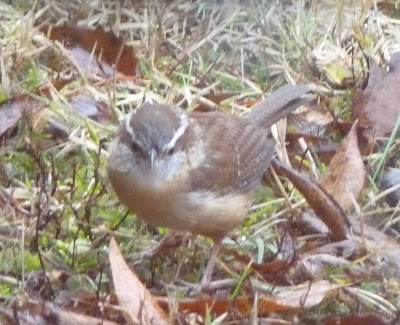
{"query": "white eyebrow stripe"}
pixel 128 125
pixel 178 133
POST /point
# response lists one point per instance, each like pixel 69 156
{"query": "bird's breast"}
pixel 173 205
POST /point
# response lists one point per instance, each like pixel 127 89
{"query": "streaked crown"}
pixel 155 128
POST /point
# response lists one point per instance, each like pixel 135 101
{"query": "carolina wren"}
pixel 189 171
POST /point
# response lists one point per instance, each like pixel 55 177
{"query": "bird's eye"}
pixel 171 151
pixel 135 147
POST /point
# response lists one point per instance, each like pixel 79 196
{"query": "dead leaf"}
pixel 308 220
pixel 325 207
pixel 377 106
pixel 304 295
pixel 12 111
pixel 314 267
pixel 274 271
pixel 345 177
pixel 308 121
pixel 35 110
pixel 282 299
pixel 379 244
pixel 314 127
pixel 48 313
pixel 109 49
pixel 355 320
pixel 86 105
pixel 137 302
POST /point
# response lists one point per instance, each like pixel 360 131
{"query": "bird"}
pixel 192 171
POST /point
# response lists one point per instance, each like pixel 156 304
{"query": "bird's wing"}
pixel 238 154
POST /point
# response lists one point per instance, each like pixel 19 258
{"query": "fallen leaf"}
pixel 305 295
pixel 309 221
pixel 377 106
pixel 314 267
pixel 345 176
pixel 355 320
pixel 282 299
pixel 11 111
pixel 379 244
pixel 35 110
pixel 48 313
pixel 314 126
pixel 109 49
pixel 324 206
pixel 308 121
pixel 87 106
pixel 138 303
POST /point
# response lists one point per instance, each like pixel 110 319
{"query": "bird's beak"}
pixel 152 157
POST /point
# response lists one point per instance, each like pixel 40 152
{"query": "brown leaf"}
pixel 282 299
pixel 313 126
pixel 108 48
pixel 275 270
pixel 325 207
pixel 304 295
pixel 310 221
pixel 314 267
pixel 12 110
pixel 323 148
pixel 355 320
pixel 47 313
pixel 308 121
pixel 88 106
pixel 379 243
pixel 377 106
pixel 137 302
pixel 345 177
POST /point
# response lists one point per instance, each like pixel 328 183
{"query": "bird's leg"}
pixel 206 279
pixel 206 283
